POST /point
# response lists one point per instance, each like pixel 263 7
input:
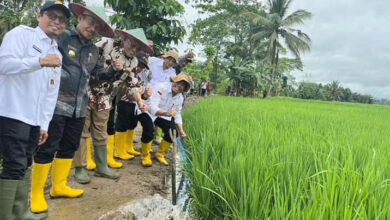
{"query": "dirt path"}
pixel 103 195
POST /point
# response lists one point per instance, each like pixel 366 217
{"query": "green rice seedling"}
pixel 284 158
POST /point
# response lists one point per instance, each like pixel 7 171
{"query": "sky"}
pixel 350 43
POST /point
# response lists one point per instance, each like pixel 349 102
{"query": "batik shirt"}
pixel 101 92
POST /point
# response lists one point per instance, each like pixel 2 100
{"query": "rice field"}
pixel 283 158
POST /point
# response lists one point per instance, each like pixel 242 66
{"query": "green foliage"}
pixel 16 12
pixel 210 52
pixel 245 33
pixel 275 24
pixel 329 92
pixel 156 17
pixel 223 87
pixel 284 158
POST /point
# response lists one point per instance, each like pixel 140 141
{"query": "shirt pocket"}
pixel 90 60
pixel 35 50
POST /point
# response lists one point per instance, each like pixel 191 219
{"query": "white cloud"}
pixel 350 44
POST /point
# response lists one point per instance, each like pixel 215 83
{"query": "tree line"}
pixel 250 41
pixel 328 92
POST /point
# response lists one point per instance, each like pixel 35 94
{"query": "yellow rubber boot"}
pixel 145 156
pixel 59 178
pixel 158 135
pixel 110 153
pixel 120 146
pixel 130 144
pixel 91 165
pixel 38 180
pixel 162 149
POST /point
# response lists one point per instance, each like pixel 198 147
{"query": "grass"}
pixel 285 158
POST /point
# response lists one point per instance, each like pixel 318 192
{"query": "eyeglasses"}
pixel 53 16
pixel 92 21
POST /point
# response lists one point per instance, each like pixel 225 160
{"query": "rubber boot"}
pixel 102 169
pixel 59 177
pixel 130 144
pixel 91 165
pixel 81 175
pixel 162 149
pixel 145 156
pixel 21 209
pixel 158 135
pixel 38 180
pixel 120 146
pixel 110 153
pixel 7 197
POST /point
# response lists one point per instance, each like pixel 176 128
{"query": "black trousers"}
pixel 111 119
pixel 63 141
pixel 165 126
pixel 128 120
pixel 18 141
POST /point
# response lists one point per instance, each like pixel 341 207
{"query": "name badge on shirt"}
pixel 52 80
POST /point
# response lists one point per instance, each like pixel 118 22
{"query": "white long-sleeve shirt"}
pixel 163 99
pixel 159 75
pixel 28 92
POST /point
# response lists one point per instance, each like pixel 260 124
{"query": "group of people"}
pixel 64 96
pixel 204 88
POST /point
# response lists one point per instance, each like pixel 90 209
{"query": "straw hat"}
pixel 96 12
pixel 183 77
pixel 137 36
pixel 172 54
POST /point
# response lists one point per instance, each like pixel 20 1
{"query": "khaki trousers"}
pixel 96 127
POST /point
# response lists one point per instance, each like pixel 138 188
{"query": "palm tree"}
pixel 276 24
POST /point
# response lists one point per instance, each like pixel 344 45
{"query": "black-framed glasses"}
pixel 53 16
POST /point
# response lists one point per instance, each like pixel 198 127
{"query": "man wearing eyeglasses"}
pixel 30 71
pixel 80 60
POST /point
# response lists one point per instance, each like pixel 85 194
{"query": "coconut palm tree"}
pixel 276 24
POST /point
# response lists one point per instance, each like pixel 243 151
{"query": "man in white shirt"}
pixel 165 109
pixel 30 71
pixel 162 70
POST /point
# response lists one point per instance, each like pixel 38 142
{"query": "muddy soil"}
pixel 103 195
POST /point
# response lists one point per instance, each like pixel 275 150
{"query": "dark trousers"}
pixel 165 126
pixel 203 92
pixel 111 119
pixel 128 120
pixel 63 141
pixel 18 141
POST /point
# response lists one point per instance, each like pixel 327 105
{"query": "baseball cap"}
pixel 55 5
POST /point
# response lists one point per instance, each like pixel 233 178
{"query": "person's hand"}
pixel 142 106
pixel 50 60
pixel 117 64
pixel 182 134
pixel 147 93
pixel 42 137
pixel 171 112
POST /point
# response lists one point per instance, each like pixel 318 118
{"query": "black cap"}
pixel 142 57
pixel 55 5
